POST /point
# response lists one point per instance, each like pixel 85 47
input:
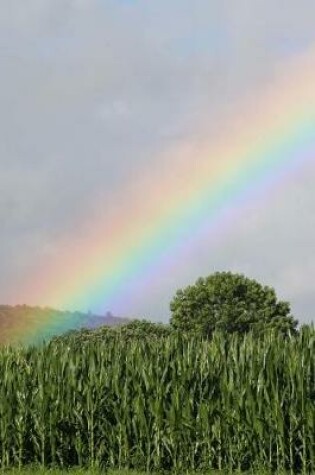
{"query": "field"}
pixel 175 404
pixel 112 472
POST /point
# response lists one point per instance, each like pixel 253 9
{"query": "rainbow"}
pixel 198 185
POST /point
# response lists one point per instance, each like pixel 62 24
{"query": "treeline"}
pixel 139 330
pixel 133 330
pixel 172 403
pixel 223 301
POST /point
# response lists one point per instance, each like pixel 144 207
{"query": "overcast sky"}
pixel 92 91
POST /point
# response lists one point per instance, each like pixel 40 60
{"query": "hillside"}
pixel 23 323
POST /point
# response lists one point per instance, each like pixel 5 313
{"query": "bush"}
pixel 135 330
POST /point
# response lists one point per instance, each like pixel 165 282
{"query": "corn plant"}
pixel 178 403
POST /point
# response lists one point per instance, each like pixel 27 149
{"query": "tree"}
pixel 230 303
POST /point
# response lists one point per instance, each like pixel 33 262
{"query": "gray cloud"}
pixel 92 91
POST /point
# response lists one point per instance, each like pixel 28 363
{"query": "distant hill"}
pixel 23 323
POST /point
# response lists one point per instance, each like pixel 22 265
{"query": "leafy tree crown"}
pixel 232 303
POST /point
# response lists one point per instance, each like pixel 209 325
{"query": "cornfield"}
pixel 173 404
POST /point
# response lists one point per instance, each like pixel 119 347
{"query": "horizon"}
pixel 113 113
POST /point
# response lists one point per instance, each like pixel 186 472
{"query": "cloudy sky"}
pixel 93 92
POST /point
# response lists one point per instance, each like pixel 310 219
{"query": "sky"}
pixel 94 93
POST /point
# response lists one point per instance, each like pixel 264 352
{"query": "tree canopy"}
pixel 230 303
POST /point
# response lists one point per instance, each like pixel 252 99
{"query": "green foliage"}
pixel 78 471
pixel 143 329
pixel 174 403
pixel 230 303
pixel 135 330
